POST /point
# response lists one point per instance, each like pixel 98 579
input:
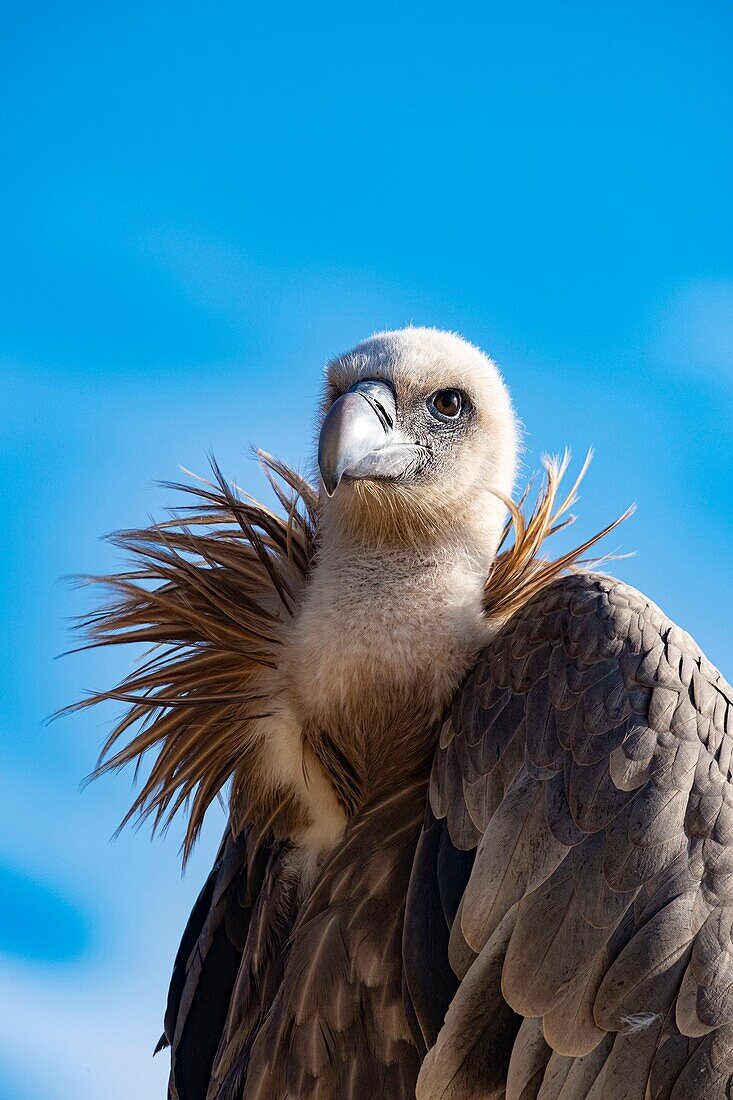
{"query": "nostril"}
pixel 380 396
pixel 382 413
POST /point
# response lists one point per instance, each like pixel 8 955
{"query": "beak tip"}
pixel 330 478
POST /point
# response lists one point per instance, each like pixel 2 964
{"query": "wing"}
pixel 568 926
pixel 336 1029
pixel 211 956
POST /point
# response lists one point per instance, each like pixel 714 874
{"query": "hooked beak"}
pixel 359 438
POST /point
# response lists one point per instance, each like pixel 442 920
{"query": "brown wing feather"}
pixel 224 920
pixel 337 1026
pixel 588 761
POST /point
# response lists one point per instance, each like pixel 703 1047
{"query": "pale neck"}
pixel 475 541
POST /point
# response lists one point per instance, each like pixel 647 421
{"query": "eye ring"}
pixel 446 404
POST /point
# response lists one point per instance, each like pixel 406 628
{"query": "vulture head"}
pixel 305 658
pixel 417 443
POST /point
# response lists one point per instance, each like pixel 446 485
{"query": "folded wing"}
pixel 568 927
pixel 232 937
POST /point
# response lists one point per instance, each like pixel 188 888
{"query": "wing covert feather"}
pixel 587 760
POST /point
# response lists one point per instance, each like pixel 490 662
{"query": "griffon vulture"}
pixel 480 837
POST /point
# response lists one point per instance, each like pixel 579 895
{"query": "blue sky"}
pixel 199 204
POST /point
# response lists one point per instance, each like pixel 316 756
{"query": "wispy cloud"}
pixel 695 333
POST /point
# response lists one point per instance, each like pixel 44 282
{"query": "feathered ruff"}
pixel 211 592
pixel 520 572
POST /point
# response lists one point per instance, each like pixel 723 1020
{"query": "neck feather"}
pixel 381 641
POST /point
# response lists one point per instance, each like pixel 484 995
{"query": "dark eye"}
pixel 446 403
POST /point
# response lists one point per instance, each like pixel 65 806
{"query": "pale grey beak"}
pixel 359 438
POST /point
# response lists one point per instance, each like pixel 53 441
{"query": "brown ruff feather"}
pixel 519 572
pixel 209 593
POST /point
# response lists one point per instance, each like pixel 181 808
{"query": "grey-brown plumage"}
pixel 586 761
pixel 529 898
pixel 569 903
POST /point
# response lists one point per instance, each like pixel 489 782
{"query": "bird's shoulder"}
pixel 578 852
